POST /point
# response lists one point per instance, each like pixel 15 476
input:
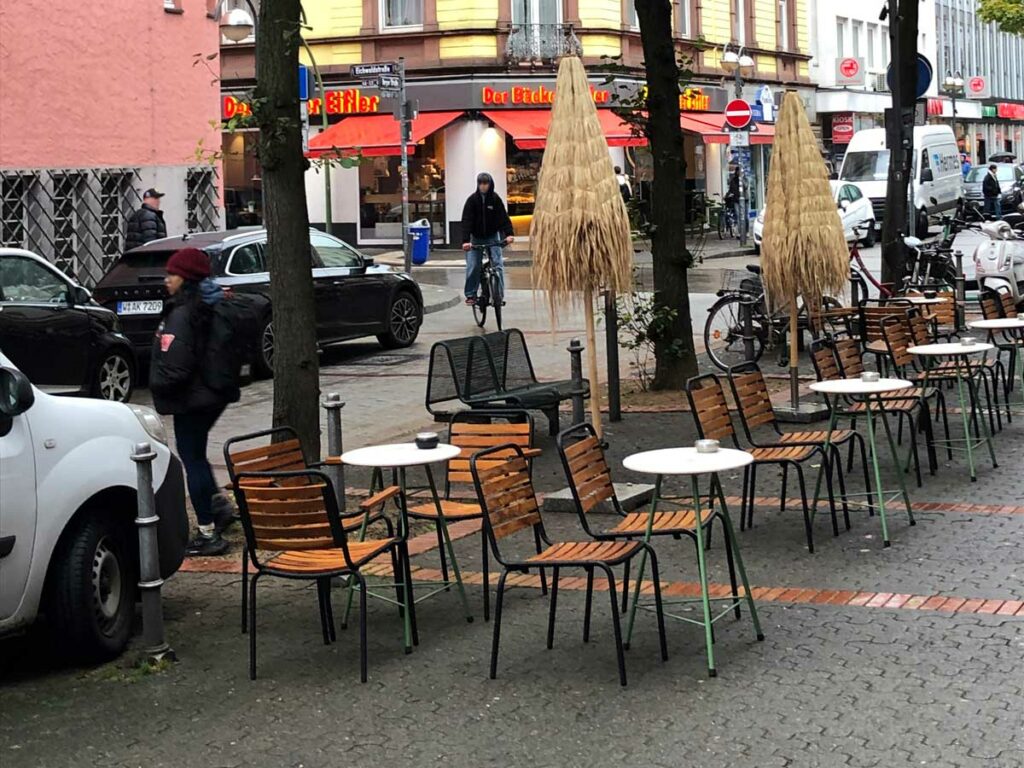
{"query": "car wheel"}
pixel 404 319
pixel 91 600
pixel 869 239
pixel 114 378
pixel 263 362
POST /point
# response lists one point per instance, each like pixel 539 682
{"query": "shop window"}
pixel 396 14
pixel 243 196
pixel 380 192
pixel 65 220
pixel 14 210
pixel 523 167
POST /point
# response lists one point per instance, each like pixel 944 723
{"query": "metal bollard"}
pixel 960 288
pixel 611 322
pixel 575 349
pixel 747 311
pixel 333 404
pixel 156 647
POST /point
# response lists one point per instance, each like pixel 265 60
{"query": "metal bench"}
pixel 493 371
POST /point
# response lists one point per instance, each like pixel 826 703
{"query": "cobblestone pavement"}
pixel 872 657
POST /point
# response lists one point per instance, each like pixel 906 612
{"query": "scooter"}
pixel 999 261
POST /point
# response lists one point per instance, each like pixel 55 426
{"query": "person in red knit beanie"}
pixel 176 380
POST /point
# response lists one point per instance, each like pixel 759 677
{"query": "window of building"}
pixel 739 21
pixel 855 38
pixel 783 25
pixel 884 61
pixel 397 14
pixel 114 189
pixel 14 210
pixel 380 192
pixel 201 200
pixel 872 34
pixel 65 220
pixel 173 6
pixel 631 18
pixel 840 37
pixel 684 18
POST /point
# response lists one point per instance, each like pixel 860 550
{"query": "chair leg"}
pixel 808 530
pixel 589 605
pixel 553 601
pixel 625 586
pixel 362 626
pixel 743 499
pixel 732 567
pixel 543 576
pixel 329 610
pixel 785 484
pixel 867 474
pixel 496 638
pixel 399 581
pixel 827 467
pixel 245 587
pixel 841 475
pixel 752 491
pixel 912 429
pixel 616 622
pixel 444 557
pixel 485 561
pixel 658 607
pixel 853 428
pixel 252 625
pixel 321 599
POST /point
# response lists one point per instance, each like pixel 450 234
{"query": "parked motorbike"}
pixel 999 260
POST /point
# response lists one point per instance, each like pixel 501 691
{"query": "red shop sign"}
pixel 842 127
pixel 1010 111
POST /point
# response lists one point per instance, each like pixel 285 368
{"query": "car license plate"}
pixel 140 307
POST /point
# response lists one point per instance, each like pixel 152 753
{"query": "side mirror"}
pixel 834 176
pixel 16 394
pixel 78 296
pixel 368 261
pixel 844 204
pixel 927 175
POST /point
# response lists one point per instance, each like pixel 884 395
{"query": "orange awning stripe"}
pixel 529 127
pixel 375 135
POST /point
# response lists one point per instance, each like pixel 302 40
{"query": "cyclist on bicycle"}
pixel 732 194
pixel 485 225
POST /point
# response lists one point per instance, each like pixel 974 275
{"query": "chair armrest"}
pixel 380 497
pixel 259 482
pixel 531 453
pixel 329 461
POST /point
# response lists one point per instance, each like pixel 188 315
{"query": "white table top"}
pixel 950 350
pixel 399 455
pixel 999 324
pixel 925 299
pixel 857 386
pixel 686 461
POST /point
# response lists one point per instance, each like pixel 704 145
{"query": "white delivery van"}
pixel 935 171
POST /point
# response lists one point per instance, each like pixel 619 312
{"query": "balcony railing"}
pixel 541 43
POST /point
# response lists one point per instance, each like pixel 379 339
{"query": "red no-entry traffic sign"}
pixel 738 114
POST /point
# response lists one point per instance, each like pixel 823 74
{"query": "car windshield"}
pixel 866 166
pixel 977 174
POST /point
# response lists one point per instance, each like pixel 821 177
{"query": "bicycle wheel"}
pixel 496 297
pixel 723 333
pixel 483 298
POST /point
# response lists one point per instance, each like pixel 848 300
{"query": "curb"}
pixel 440 304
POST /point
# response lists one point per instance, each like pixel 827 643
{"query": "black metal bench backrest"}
pixel 477 366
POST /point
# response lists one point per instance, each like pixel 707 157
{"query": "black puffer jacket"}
pixel 144 225
pixel 484 215
pixel 990 185
pixel 175 373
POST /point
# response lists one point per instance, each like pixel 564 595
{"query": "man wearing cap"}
pixel 147 223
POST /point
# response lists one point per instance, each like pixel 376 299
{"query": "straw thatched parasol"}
pixel 803 251
pixel 580 231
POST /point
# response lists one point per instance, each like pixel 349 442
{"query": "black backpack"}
pixel 230 343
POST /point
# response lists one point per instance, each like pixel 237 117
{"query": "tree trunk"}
pixel 674 364
pixel 283 167
pixel 896 222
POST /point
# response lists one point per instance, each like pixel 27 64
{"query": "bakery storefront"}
pixel 465 126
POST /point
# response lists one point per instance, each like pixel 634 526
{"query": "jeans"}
pixel 994 206
pixel 474 261
pixel 191 433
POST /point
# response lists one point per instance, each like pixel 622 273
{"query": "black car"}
pixel 55 333
pixel 354 297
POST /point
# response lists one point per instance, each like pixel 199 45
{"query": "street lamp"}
pixel 953 86
pixel 238 25
pixel 736 62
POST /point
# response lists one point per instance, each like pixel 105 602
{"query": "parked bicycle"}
pixel 489 294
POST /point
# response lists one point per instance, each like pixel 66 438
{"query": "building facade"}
pixel 483 73
pixel 990 115
pixel 107 103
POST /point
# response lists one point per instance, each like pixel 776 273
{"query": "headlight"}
pixel 151 422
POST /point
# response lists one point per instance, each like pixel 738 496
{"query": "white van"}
pixel 935 172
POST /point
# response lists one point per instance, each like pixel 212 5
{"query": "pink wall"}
pixel 106 83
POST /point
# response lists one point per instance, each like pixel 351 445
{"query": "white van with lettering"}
pixel 935 172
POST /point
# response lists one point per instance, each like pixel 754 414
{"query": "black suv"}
pixel 354 297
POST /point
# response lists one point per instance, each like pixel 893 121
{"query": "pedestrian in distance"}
pixel 992 193
pixel 625 188
pixel 193 378
pixel 147 223
pixel 965 165
pixel 485 225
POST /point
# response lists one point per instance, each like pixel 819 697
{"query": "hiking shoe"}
pixel 223 513
pixel 206 545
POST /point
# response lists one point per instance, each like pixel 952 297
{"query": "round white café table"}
pixel 924 300
pixel 688 461
pixel 965 373
pixel 399 457
pixel 1006 325
pixel 871 394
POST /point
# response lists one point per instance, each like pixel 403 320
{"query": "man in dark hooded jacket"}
pixel 147 223
pixel 485 225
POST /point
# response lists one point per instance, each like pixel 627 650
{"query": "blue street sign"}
pixel 925 72
pixel 757 110
pixel 303 82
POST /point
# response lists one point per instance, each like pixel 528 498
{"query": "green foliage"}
pixel 1008 14
pixel 642 324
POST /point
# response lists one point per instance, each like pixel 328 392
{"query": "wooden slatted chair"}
pixel 711 414
pixel 998 305
pixel 872 313
pixel 509 503
pixel 279 450
pixel 473 431
pixel 590 481
pixel 293 530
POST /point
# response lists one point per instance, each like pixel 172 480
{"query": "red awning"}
pixel 374 135
pixel 529 127
pixel 708 125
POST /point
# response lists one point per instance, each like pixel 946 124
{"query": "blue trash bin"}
pixel 419 234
